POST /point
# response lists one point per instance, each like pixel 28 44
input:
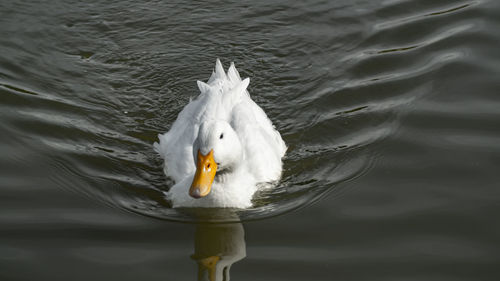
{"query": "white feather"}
pixel 223 104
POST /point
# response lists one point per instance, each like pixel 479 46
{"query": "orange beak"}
pixel 204 176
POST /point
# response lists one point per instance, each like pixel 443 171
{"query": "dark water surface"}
pixel 390 110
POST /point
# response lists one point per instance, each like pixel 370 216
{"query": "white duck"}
pixel 221 145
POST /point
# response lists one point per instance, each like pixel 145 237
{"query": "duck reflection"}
pixel 216 248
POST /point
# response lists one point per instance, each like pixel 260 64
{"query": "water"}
pixel 389 109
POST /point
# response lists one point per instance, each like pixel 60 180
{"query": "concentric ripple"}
pixel 334 81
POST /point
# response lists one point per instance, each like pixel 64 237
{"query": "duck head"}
pixel 216 150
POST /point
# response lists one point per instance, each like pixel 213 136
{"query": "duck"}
pixel 222 147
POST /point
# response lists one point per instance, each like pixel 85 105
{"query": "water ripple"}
pixel 334 78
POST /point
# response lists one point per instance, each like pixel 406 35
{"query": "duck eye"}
pixel 221 136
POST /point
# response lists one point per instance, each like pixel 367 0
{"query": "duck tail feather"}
pixel 204 87
pixel 219 70
pixel 242 86
pixel 233 75
pixel 212 78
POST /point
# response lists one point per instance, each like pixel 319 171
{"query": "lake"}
pixel 390 111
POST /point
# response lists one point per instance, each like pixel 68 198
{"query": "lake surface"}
pixel 390 111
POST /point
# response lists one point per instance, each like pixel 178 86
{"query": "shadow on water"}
pixel 216 248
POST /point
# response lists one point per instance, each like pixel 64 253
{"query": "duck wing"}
pixel 176 145
pixel 262 143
